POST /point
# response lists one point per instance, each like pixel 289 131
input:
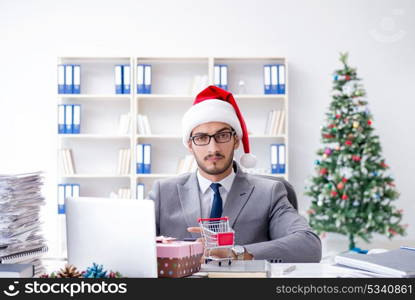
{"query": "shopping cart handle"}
pixel 213 219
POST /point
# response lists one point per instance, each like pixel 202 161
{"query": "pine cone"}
pixel 69 271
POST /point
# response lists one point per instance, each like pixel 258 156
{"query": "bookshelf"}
pixel 95 151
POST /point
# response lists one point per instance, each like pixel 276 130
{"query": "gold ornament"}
pixel 355 124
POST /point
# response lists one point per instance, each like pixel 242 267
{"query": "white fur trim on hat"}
pixel 211 110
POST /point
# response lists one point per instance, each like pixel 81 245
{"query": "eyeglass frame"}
pixel 231 131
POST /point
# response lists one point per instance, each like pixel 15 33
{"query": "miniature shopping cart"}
pixel 217 234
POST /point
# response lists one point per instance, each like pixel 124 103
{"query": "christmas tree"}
pixel 352 193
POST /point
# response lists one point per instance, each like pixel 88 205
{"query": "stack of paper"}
pixel 124 124
pixel 67 165
pixel 21 240
pixel 124 159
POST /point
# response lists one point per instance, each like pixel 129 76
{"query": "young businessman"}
pixel 265 223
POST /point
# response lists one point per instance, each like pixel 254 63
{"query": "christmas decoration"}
pixel 96 271
pixel 351 192
pixel 69 271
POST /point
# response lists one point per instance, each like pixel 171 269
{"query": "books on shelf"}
pixel 21 239
pixel 187 164
pixel 198 84
pixel 124 124
pixel 69 118
pixel 143 159
pixel 143 125
pixel 124 161
pixel 69 79
pixel 143 79
pixel 274 79
pixel 275 123
pixel 66 190
pixel 123 193
pixel 122 78
pixel 220 76
pixel 278 158
pixel 66 162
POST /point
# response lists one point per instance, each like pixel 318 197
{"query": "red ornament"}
pixel 392 231
pixel 344 197
pixel 383 165
pixel 369 122
pixel 344 180
pixel 338 116
pixel 323 171
pixel 328 136
pixel 348 143
pixel 332 126
pixel 334 193
pixel 356 158
pixel 347 77
pixel 340 185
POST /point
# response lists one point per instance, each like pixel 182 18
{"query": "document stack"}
pixel 21 240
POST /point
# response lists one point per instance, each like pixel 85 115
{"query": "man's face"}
pixel 214 158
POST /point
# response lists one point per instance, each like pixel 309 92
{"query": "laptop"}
pixel 119 234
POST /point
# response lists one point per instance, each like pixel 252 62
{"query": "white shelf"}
pixel 93 136
pixel 96 97
pixel 94 176
pixel 172 96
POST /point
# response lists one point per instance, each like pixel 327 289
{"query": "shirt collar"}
pixel 226 182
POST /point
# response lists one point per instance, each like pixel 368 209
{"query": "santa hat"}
pixel 214 104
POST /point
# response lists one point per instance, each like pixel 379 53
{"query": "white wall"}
pixel 379 35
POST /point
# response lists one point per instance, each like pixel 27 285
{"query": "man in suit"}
pixel 265 223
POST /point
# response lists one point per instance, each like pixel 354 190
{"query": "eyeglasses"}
pixel 220 137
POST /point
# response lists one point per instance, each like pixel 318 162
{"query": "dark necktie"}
pixel 216 211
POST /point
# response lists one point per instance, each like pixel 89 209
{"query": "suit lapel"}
pixel 190 201
pixel 239 194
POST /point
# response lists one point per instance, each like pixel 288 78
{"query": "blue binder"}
pixel 274 79
pixel 281 159
pixel 147 79
pixel 147 158
pixel 61 199
pixel 224 77
pixel 216 75
pixel 76 79
pixel 76 126
pixel 61 79
pixel 76 190
pixel 274 158
pixel 140 79
pixel 68 79
pixel 140 191
pixel 140 159
pixel 68 118
pixel 281 79
pixel 126 82
pixel 61 118
pixel 118 79
pixel 267 79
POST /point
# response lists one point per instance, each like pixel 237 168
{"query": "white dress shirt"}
pixel 206 193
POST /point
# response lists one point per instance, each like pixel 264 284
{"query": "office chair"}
pixel 292 197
